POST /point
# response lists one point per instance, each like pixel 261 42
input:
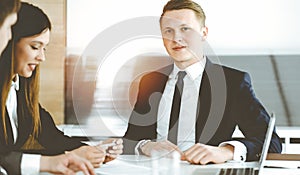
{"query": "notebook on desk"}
pixel 252 169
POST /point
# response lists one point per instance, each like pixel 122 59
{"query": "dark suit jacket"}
pixel 226 100
pixel 51 141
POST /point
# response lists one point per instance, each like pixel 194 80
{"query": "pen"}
pixel 274 167
pixel 281 167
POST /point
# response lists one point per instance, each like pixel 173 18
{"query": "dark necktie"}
pixel 175 110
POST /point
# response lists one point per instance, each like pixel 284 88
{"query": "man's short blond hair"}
pixel 185 4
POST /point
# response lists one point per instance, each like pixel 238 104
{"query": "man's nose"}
pixel 177 37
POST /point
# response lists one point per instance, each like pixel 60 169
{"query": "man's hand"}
pixel 204 154
pixel 160 146
pixel 66 164
pixel 95 155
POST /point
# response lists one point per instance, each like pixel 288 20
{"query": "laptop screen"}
pixel 267 141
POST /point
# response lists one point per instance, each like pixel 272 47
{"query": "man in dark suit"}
pixel 194 106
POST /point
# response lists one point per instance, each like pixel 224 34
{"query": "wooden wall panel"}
pixel 52 70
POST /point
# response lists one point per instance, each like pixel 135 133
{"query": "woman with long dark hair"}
pixel 27 130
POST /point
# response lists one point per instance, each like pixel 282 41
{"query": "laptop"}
pixel 247 169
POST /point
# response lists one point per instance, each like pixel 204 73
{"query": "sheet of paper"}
pixel 122 168
pixel 282 164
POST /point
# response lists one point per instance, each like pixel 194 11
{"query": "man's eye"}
pixel 185 28
pixel 168 31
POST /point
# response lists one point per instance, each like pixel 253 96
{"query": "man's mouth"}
pixel 178 48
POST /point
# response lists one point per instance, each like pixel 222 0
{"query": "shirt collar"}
pixel 193 71
pixel 16 83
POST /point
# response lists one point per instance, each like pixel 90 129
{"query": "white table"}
pixel 141 165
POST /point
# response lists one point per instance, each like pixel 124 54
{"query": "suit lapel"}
pixel 163 77
pixel 203 106
pixel 10 137
pixel 144 115
pixel 160 83
pixel 24 120
pixel 212 103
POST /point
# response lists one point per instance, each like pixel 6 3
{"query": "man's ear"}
pixel 204 32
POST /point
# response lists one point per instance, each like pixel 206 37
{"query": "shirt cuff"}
pixel 240 150
pixel 30 164
pixel 2 171
pixel 137 149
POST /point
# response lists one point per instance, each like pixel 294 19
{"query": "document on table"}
pixel 122 168
pixel 282 164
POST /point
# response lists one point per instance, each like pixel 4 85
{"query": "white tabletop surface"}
pixel 141 165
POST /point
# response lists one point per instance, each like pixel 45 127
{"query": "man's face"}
pixel 183 36
pixel 5 30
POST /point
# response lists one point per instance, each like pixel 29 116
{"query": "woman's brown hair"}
pixel 31 21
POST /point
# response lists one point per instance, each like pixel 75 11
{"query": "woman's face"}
pixel 30 52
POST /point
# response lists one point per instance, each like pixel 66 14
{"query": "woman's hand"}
pixel 66 164
pixel 112 151
pixel 94 154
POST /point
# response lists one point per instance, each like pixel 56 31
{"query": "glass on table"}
pixel 165 162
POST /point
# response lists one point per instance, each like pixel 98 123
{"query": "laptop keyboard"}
pixel 238 171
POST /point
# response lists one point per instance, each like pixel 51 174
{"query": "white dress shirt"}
pixel 187 116
pixel 189 100
pixel 30 163
pixel 11 106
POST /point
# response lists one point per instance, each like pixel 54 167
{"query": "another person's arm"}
pixel 252 119
pixel 70 163
pixel 164 146
pixel 52 139
pixel 142 121
pixel 96 155
pixel 55 142
pixel 112 152
pixel 204 154
pixel 66 164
